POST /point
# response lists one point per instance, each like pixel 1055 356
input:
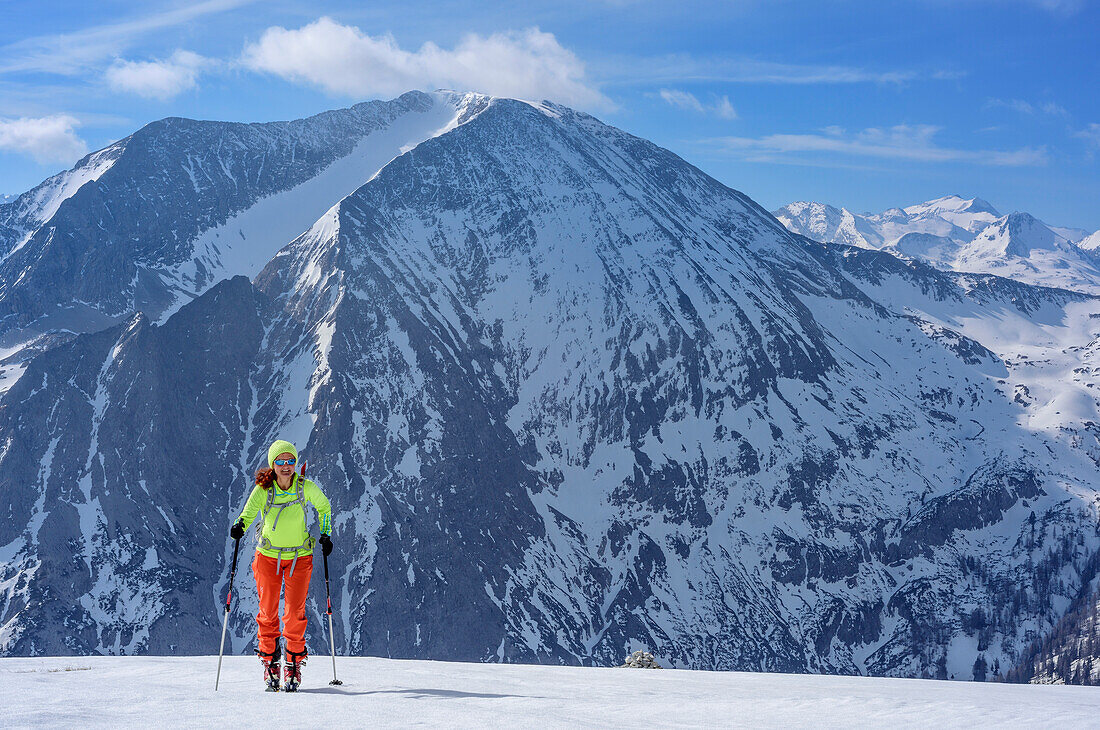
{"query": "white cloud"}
pixel 46 139
pixel 343 60
pixel 686 100
pixel 904 142
pixel 161 79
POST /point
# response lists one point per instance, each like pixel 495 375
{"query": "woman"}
pixel 284 556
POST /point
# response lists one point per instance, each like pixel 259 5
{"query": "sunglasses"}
pixel 285 462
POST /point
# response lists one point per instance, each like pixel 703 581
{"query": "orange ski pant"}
pixel 269 582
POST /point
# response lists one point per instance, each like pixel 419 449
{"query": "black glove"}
pixel 237 531
pixel 326 545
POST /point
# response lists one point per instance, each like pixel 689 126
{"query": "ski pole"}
pixel 328 601
pixel 225 620
pixel 331 635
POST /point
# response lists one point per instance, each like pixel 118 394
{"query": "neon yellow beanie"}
pixel 280 447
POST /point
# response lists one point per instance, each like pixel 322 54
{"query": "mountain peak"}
pixel 1016 234
pixel 977 205
pixel 953 204
pixel 1090 243
pixel 824 222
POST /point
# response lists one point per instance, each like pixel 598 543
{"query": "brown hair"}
pixel 265 477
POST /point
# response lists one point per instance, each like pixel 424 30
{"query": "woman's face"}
pixel 284 471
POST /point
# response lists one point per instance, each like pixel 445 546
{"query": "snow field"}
pixel 179 692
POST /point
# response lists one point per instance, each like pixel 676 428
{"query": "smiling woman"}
pixel 284 558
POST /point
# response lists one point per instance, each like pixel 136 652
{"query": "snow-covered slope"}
pixel 1091 242
pixel 113 691
pixel 958 234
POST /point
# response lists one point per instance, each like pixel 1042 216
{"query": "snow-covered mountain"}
pixel 158 217
pixel 570 396
pixel 959 234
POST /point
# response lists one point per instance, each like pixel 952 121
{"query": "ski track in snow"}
pixel 113 692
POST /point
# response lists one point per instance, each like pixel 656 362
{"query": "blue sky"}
pixel 863 104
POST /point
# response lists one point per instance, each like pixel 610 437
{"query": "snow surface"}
pixel 172 691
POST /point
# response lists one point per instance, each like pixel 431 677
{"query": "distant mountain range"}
pixel 569 396
pixel 960 234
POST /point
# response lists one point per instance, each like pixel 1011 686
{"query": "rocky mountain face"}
pixel 1070 652
pixel 958 234
pixel 571 397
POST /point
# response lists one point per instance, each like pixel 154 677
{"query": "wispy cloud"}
pixel 158 79
pixel 1025 107
pixel 1063 7
pixel 683 68
pixel 341 59
pixel 46 139
pixel 722 107
pixel 73 53
pixel 902 142
pixel 1090 134
pixel 681 99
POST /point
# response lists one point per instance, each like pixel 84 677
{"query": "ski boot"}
pixel 271 668
pixel 293 670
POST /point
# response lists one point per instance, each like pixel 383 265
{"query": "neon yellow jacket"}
pixel 284 533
